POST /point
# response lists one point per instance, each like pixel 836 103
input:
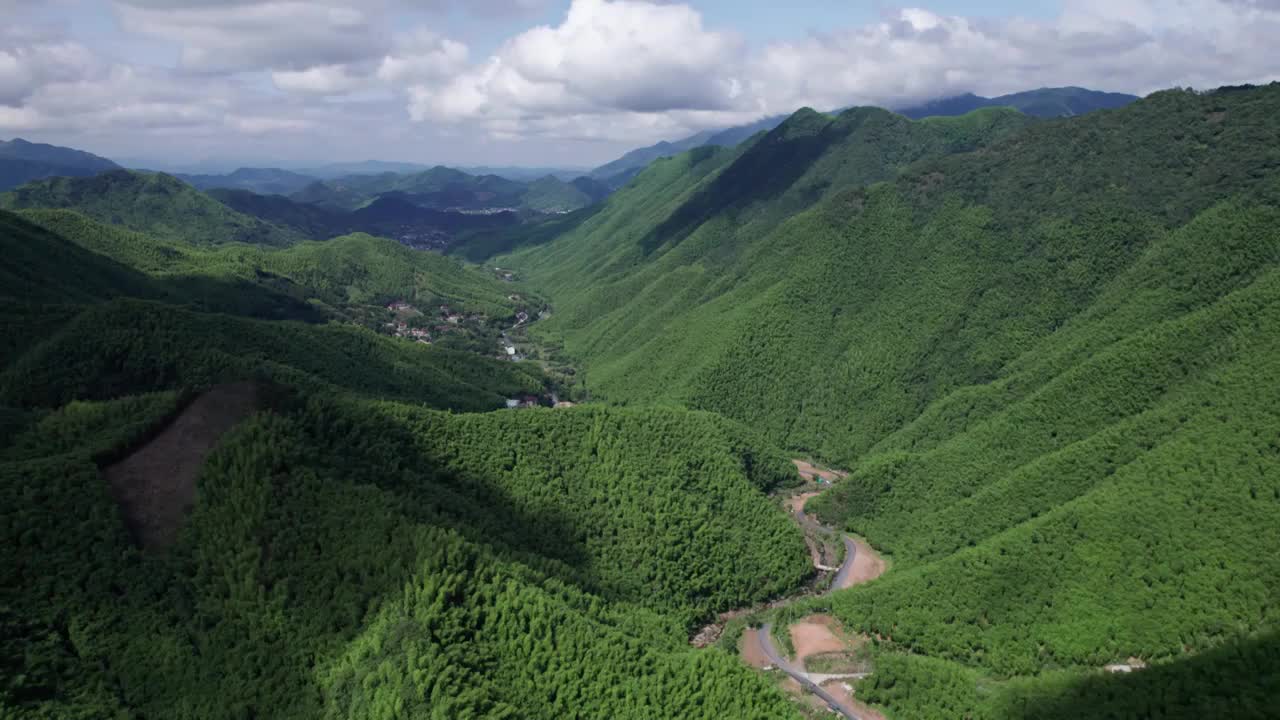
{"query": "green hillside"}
pixel 346 272
pixel 442 188
pixel 349 559
pixel 553 195
pixel 353 551
pixel 1044 102
pixel 152 203
pixel 1043 350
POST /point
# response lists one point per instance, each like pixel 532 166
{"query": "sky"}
pixel 560 83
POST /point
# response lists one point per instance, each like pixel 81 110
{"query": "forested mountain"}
pixel 618 172
pixel 152 203
pixel 264 181
pixel 348 550
pixel 22 161
pixel 641 157
pixel 525 174
pixel 391 215
pixel 442 188
pixel 1045 103
pixel 1044 348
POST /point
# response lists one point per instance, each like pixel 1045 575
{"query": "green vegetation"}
pixel 1045 350
pixel 442 188
pixel 358 548
pixel 355 559
pixel 1043 361
pixel 352 277
pixel 151 203
pixel 553 195
pixel 1045 103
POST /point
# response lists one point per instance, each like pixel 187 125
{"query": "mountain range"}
pixel 22 161
pixel 245 473
pixel 1044 103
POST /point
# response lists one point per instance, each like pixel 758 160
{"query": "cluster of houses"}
pixel 403 330
pixel 533 401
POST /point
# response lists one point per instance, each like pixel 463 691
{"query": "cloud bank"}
pixel 609 72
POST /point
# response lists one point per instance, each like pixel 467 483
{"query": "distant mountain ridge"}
pixel 22 161
pixel 447 188
pixel 153 203
pixel 1044 103
pixel 265 181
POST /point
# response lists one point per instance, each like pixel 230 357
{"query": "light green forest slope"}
pixel 1047 351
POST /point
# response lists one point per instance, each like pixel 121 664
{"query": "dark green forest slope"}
pixel 152 203
pixel 353 550
pixel 1048 354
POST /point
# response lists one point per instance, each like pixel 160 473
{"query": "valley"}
pixel 964 411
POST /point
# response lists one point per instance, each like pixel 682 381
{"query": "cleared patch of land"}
pixel 155 485
pixel 815 635
pixel 812 472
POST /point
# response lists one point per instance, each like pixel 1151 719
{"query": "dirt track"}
pixel 155 486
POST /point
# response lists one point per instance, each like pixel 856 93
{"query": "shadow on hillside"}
pixel 235 296
pixel 381 450
pixel 285 516
pixel 1240 680
pixel 765 171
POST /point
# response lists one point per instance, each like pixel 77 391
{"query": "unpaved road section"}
pixel 811 472
pixel 155 486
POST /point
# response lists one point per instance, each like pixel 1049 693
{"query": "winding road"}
pixel 798 674
pixel 841 580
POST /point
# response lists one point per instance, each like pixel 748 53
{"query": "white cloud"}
pixel 423 56
pixel 275 34
pixel 30 59
pixel 258 125
pixel 321 80
pixel 614 73
pixel 617 67
pixel 916 54
pixel 608 57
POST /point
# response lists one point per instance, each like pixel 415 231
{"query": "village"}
pixel 450 327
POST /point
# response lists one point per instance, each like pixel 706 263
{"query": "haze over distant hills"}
pixel 22 161
pixel 1044 103
pixel 267 181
